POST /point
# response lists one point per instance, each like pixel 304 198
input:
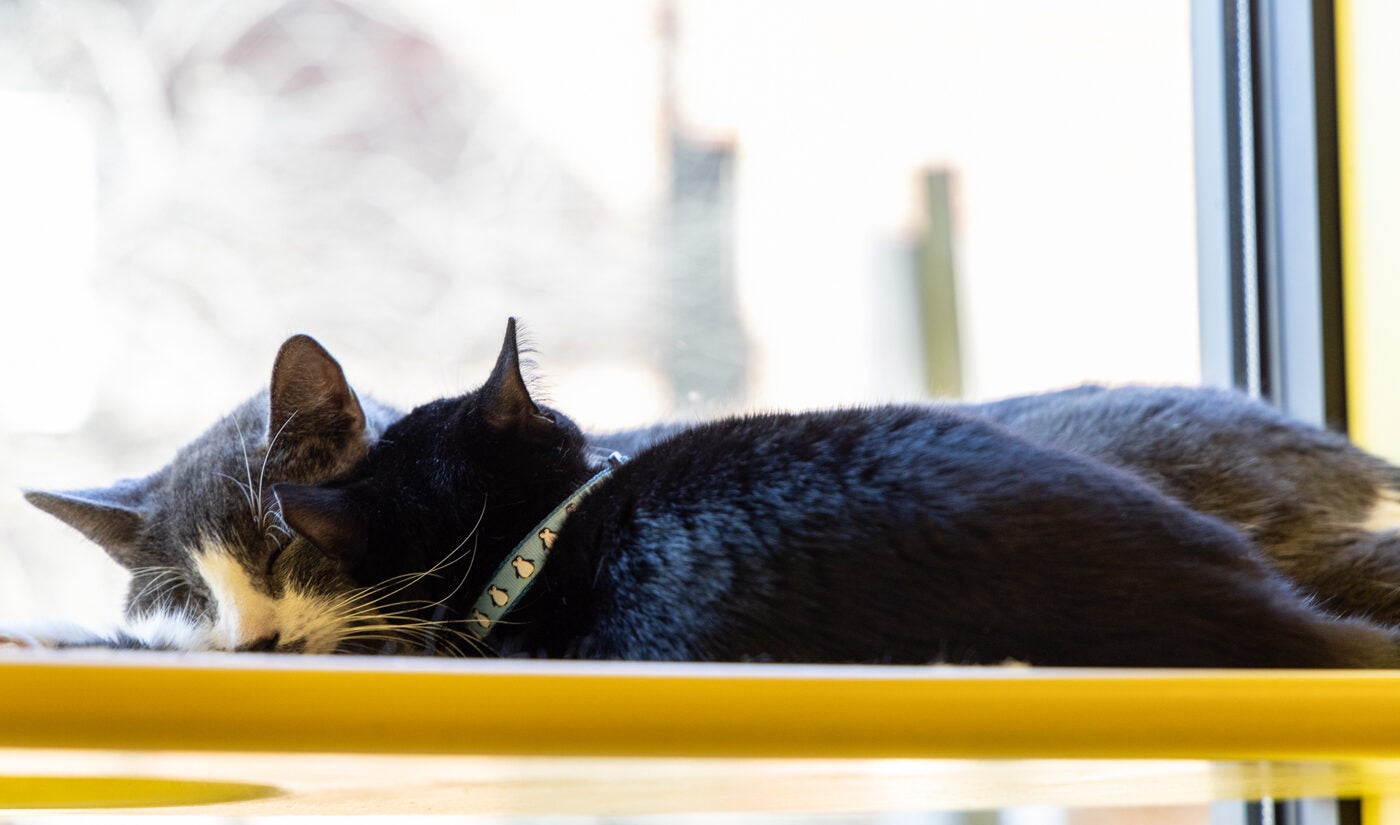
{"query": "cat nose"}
pixel 266 644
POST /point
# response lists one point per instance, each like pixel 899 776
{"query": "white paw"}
pixel 11 639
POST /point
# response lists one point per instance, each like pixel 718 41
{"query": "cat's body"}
pixel 898 534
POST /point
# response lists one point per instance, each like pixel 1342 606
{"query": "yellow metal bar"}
pixel 1359 423
pixel 252 703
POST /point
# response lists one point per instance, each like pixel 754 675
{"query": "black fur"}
pixel 896 534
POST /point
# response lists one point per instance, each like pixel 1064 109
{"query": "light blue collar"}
pixel 522 567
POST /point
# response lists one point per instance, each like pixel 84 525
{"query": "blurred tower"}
pixel 706 355
pixel 937 278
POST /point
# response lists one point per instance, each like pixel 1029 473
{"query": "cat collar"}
pixel 520 569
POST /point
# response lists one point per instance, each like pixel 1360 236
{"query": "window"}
pixel 694 207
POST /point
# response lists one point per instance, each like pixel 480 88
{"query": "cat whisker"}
pixel 154 569
pixel 390 638
pixel 253 502
pixel 416 634
pixel 377 609
pixel 477 644
pixel 373 614
pixel 399 630
pixel 413 578
pixel 168 590
pixel 366 598
pixel 275 527
pixel 406 580
pixel 398 618
pixel 403 581
pixel 374 611
pixel 436 627
pixel 247 490
pixel 463 580
pixel 262 470
pixel 163 579
pixel 424 633
pixel 403 609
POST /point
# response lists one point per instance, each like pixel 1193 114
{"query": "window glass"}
pixel 693 206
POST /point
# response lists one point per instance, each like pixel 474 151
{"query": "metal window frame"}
pixel 1269 237
pixel 1268 214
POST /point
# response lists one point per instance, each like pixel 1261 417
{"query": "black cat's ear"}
pixel 110 516
pixel 325 518
pixel 504 400
pixel 309 392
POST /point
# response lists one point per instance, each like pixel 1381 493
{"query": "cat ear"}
pixel 110 516
pixel 504 401
pixel 309 392
pixel 325 518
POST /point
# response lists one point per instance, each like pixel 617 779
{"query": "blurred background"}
pixel 694 206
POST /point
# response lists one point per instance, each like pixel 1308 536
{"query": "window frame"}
pixel 1268 204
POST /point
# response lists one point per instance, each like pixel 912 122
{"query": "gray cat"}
pixel 201 538
pixel 1323 512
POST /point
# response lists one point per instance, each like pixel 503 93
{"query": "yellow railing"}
pixel 262 734
pixel 1368 104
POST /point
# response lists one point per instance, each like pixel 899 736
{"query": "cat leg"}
pixel 1357 643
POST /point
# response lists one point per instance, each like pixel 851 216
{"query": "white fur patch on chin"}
pixel 247 615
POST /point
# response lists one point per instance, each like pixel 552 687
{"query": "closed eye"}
pixel 276 553
pixel 276 537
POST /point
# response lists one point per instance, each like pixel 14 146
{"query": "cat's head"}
pixel 444 496
pixel 212 565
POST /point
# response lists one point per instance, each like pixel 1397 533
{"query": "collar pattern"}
pixel 522 566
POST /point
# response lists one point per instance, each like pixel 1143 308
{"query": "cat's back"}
pixel 1167 423
pixel 923 533
pixel 1217 450
pixel 1095 418
pixel 773 466
pixel 928 459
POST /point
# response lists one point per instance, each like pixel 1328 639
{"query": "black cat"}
pixel 892 534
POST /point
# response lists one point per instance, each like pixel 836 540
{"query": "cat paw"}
pixel 18 640
pixel 51 636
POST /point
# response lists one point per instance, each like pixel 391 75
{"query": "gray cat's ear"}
pixel 110 516
pixel 325 518
pixel 309 392
pixel 504 400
